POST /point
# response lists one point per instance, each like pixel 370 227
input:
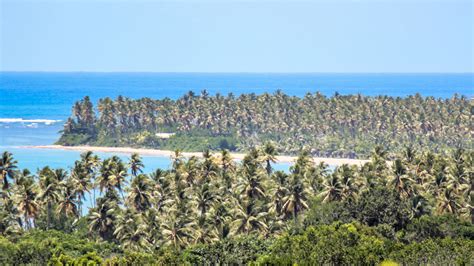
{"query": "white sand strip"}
pixel 166 153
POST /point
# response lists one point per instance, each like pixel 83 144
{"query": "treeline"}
pixel 337 126
pixel 416 209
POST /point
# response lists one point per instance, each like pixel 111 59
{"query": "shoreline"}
pixel 168 153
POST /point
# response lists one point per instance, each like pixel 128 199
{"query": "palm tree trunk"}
pixel 295 213
pixel 80 208
pixel 269 167
pixel 93 202
pixel 25 217
pixel 123 197
pixel 49 215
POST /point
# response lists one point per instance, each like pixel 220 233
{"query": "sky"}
pixel 237 36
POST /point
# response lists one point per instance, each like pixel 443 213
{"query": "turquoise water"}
pixel 51 95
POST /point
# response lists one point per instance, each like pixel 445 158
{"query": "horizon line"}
pixel 224 72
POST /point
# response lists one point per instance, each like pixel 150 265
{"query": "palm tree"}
pixel 7 169
pixel 248 219
pixel 279 192
pixel 140 193
pixel 227 168
pixel 205 234
pixel 251 185
pixel 176 231
pixel 177 159
pixel 269 153
pixel 349 181
pixel 112 175
pixel 448 202
pixel 50 192
pixel 82 183
pixel 136 165
pixel 221 217
pixel 409 154
pixel 379 156
pixel 296 199
pixel 332 189
pixel 132 232
pixel 400 180
pixel 67 204
pixel 103 217
pixel 59 174
pixel 419 206
pixel 25 196
pixel 209 169
pixel 203 198
pixel 119 174
pixel 90 163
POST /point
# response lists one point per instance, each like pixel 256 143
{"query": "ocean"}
pixel 33 105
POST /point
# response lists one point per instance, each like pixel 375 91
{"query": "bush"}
pixel 8 252
pixel 357 244
pixel 237 251
pixel 334 244
pixel 444 226
pixel 381 205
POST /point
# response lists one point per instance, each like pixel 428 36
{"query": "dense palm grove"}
pixel 337 126
pixel 414 209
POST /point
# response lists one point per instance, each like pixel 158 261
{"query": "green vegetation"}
pixel 415 209
pixel 338 126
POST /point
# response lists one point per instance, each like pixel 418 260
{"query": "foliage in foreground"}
pixel 334 244
pixel 338 126
pixel 213 210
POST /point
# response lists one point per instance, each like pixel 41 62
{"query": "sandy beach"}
pixel 167 153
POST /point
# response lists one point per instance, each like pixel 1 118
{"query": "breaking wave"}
pixel 21 120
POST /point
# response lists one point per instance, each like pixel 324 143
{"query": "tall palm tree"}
pixel 49 192
pixel 112 175
pixel 102 218
pixel 349 181
pixel 203 198
pixel 248 219
pixel 176 231
pixel 8 168
pixel 448 202
pixel 296 199
pixel 82 183
pixel 227 168
pixel 140 193
pixel 279 191
pixel 67 204
pixel 269 153
pixel 136 164
pixel 332 189
pixel 205 233
pixel 90 163
pixel 25 198
pixel 209 169
pixel 221 217
pixel 59 174
pixel 132 232
pixel 400 180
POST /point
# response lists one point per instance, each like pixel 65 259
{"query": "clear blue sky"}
pixel 237 36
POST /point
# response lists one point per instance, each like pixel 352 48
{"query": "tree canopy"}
pixel 415 209
pixel 337 126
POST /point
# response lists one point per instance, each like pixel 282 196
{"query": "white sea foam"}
pixel 21 120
